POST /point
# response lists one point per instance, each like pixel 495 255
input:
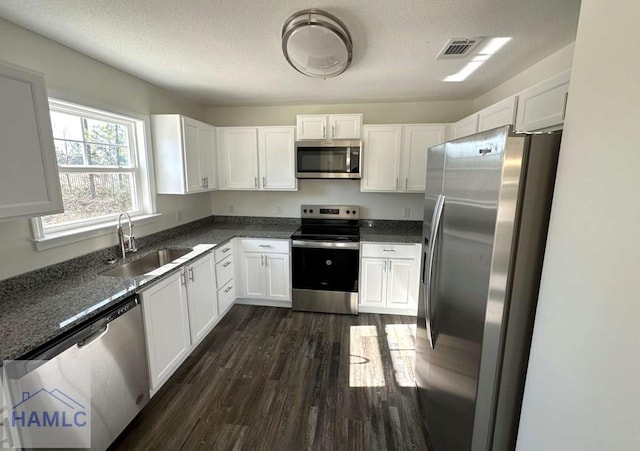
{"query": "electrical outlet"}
pixel 231 209
pixel 406 212
pixel 279 209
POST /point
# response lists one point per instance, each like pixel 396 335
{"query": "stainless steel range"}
pixel 326 259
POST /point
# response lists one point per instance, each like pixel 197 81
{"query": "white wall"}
pixel 583 383
pixel 373 113
pixel 555 63
pixel 339 192
pixel 85 80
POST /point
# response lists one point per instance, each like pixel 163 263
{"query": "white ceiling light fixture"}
pixel 317 44
pixel 479 59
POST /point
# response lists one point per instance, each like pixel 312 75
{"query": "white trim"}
pixel 52 240
pixel 382 310
pixel 263 302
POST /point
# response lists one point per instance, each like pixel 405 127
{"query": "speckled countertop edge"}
pixel 35 309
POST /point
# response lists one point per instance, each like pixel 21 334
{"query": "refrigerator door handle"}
pixel 435 228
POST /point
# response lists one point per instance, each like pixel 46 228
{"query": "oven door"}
pixel 325 266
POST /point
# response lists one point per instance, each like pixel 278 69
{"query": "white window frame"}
pixel 140 152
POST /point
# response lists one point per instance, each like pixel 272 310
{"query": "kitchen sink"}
pixel 147 263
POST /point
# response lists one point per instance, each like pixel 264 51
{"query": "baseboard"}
pixel 263 302
pixel 386 310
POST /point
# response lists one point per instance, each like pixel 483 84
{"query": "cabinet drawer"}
pixel 223 251
pixel 390 250
pixel 265 246
pixel 226 296
pixel 224 271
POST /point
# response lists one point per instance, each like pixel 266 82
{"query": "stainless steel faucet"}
pixel 127 243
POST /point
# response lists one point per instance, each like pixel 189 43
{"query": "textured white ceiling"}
pixel 228 52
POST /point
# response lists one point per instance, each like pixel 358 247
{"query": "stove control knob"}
pixel 311 211
pixel 347 211
pixel 304 211
pixel 354 212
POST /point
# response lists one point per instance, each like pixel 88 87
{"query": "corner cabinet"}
pixel 542 107
pixel 257 158
pixel 29 181
pixel 395 156
pixel 389 278
pixel 184 154
pixel 264 271
pixel 331 126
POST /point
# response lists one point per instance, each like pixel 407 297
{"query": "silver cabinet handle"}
pixel 202 182
pixel 225 250
pixel 333 131
pixel 264 245
pixel 324 131
pixel 406 183
pixel 264 182
pixel 388 250
pixel 261 260
pixel 183 280
pixel 191 274
pixel 384 266
pixel 256 182
pixel 390 262
pixel 206 182
pixel 435 229
pixel 229 288
pixel 396 182
pixel 226 264
pixel 266 261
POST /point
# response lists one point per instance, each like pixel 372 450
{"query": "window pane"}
pixel 106 132
pixel 69 152
pixel 108 155
pixel 66 126
pixel 90 195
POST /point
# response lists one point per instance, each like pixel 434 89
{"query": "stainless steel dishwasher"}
pixel 113 346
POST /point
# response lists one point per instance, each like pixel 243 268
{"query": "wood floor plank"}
pixel 274 379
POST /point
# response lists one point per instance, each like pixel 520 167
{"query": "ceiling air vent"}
pixel 459 48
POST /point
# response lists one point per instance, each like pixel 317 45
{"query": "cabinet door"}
pixel 345 126
pixel 207 152
pixel 498 114
pixel 400 283
pixel 276 150
pixel 29 181
pixel 311 126
pixel 191 149
pixel 252 275
pixel 373 282
pixel 417 140
pixel 201 295
pixel 277 277
pixel 238 158
pixel 465 127
pixel 382 146
pixel 166 324
pixel 543 105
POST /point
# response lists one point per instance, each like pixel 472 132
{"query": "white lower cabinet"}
pixel 264 271
pixel 389 278
pixel 166 325
pixel 179 311
pixel 225 276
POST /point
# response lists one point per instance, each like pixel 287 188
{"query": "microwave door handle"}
pixel 348 159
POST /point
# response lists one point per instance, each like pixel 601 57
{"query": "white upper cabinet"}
pixel 29 181
pixel 277 158
pixel 465 127
pixel 543 106
pixel 332 126
pixel 498 114
pixel 257 158
pixel 381 158
pixel 395 156
pixel 185 154
pixel 416 142
pixel 238 158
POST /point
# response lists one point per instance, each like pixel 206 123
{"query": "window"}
pixel 102 166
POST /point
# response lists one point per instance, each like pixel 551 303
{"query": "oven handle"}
pixel 325 244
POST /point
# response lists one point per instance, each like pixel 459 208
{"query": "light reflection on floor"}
pixel 365 365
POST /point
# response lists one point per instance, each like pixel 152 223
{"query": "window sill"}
pixel 73 236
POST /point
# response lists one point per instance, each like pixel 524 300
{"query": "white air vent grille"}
pixel 458 48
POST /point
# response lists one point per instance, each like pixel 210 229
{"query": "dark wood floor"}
pixel 274 379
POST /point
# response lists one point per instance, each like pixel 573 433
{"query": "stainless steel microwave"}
pixel 336 159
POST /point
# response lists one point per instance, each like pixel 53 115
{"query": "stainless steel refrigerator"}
pixel 486 214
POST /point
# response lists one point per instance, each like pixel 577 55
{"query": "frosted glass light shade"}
pixel 316 44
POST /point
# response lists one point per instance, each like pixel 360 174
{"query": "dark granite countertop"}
pixel 391 231
pixel 37 307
